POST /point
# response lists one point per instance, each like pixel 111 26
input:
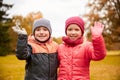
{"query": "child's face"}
pixel 41 33
pixel 74 32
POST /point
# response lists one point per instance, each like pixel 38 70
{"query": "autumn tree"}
pixel 4 27
pixel 57 40
pixel 107 12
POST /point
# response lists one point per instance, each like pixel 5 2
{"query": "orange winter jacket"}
pixel 75 61
pixel 41 58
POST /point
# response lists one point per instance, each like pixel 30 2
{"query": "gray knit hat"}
pixel 42 22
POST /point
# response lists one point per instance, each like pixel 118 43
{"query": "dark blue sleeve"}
pixel 23 50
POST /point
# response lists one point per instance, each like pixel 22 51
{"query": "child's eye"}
pixel 69 29
pixel 45 29
pixel 38 29
pixel 76 29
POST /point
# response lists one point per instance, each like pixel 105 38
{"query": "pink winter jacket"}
pixel 75 61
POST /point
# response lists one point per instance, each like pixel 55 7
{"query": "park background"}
pixel 105 11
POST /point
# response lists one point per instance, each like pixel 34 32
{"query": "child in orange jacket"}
pixel 39 51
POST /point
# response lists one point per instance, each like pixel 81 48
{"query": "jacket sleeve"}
pixel 23 50
pixel 98 49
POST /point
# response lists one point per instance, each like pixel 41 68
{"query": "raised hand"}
pixel 97 29
pixel 18 30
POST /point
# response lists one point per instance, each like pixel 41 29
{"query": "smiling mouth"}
pixel 73 36
pixel 41 37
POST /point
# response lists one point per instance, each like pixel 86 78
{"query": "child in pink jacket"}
pixel 75 54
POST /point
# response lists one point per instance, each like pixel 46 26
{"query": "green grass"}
pixel 11 68
pixel 108 69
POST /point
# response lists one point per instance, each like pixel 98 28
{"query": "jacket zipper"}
pixel 49 67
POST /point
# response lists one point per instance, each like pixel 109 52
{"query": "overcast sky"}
pixel 57 11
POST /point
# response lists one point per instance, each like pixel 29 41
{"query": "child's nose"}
pixel 41 31
pixel 73 32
